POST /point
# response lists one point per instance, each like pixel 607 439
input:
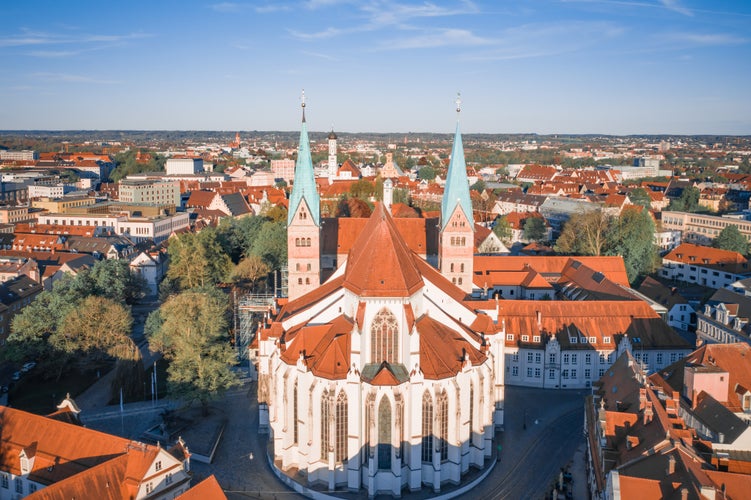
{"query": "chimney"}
pixel 684 493
pixel 648 413
pixel 671 465
pixel 642 398
pixel 539 319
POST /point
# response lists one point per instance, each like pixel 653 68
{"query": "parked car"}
pixel 28 366
pixel 16 376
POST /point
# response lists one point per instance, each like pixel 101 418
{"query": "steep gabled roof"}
pixel 441 350
pixel 380 263
pixel 208 489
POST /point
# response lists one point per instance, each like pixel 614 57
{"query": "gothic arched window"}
pixel 384 434
pixel 442 414
pixel 384 337
pixel 341 428
pixel 325 428
pixel 427 427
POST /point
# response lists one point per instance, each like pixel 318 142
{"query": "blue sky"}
pixel 545 66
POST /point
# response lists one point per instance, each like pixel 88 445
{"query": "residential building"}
pixel 570 344
pixel 640 445
pixel 702 229
pixel 47 458
pixel 148 191
pixel 15 294
pixel 183 166
pixel 11 215
pixel 25 155
pixel 137 228
pixel 283 169
pixel 724 319
pixel 706 266
pixel 680 314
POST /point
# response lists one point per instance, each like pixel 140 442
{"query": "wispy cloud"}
pixel 327 33
pixel 437 38
pixel 675 6
pixel 545 39
pixel 382 14
pixel 702 39
pixel 320 55
pixel 53 54
pixel 71 78
pixel 32 38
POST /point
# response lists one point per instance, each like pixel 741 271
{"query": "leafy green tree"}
pixel 640 196
pixel 584 234
pixel 271 244
pixel 250 270
pixel 534 229
pixel 190 329
pixel 362 189
pixel 113 278
pixel 503 229
pixel 198 260
pixel 688 201
pixel 632 237
pixel 427 173
pixel 236 236
pixel 97 329
pixel 478 186
pixel 730 238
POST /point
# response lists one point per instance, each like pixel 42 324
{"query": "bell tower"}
pixel 333 165
pixel 456 240
pixel 304 222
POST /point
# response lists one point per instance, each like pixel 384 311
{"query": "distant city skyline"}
pixel 542 66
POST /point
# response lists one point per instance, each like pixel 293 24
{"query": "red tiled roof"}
pixel 441 350
pixel 379 242
pixel 208 489
pixel 698 255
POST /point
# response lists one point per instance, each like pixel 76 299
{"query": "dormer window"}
pixel 158 465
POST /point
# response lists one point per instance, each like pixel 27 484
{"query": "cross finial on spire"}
pixel 302 103
pixel 458 103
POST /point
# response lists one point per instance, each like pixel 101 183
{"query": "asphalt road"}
pixel 532 457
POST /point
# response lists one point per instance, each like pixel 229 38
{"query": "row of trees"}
pixel 191 328
pixel 630 235
pixel 83 323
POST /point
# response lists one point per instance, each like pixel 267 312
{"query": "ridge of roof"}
pixel 380 242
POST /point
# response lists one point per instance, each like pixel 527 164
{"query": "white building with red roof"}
pixel 382 378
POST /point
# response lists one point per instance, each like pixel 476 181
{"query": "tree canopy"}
pixel 427 173
pixel 730 238
pixel 190 329
pixel 535 229
pixel 688 201
pixel 502 229
pixel 198 260
pixel 630 235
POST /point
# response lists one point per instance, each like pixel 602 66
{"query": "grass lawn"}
pixel 34 394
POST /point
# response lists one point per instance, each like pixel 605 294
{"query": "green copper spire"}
pixel 304 187
pixel 456 190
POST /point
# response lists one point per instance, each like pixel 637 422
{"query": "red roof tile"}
pixel 379 242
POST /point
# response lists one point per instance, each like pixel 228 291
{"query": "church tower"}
pixel 333 165
pixel 304 222
pixel 456 240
